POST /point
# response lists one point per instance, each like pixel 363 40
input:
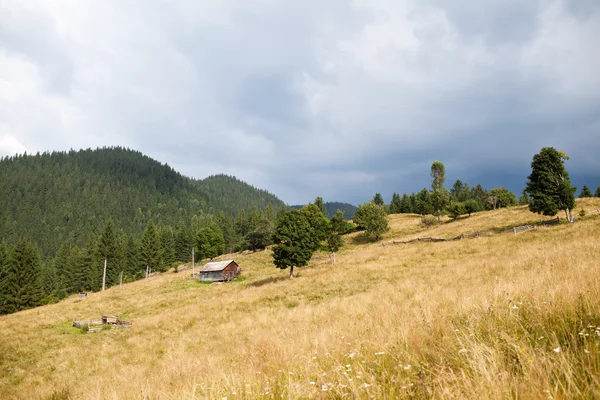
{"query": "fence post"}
pixel 515 230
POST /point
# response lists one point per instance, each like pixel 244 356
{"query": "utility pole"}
pixel 193 268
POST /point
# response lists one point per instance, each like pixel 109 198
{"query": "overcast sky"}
pixel 335 98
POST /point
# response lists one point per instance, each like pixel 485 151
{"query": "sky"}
pixel 339 99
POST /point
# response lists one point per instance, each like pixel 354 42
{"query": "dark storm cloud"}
pixel 336 99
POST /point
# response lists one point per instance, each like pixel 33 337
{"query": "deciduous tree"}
pixel 293 241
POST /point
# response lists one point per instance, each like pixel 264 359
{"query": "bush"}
pixel 582 213
pixel 429 220
pixel 455 210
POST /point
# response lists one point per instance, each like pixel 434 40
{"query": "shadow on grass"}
pixel 266 281
pixel 363 239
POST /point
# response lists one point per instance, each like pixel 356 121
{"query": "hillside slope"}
pixel 49 197
pixel 501 316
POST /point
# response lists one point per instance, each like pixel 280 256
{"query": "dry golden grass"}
pixel 496 317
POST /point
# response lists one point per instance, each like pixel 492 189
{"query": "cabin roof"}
pixel 216 266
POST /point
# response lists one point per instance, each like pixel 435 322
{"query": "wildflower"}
pixel 351 355
pixel 586 351
pixel 379 353
pixel 456 330
pixel 407 367
pixel 540 338
pixel 366 385
pixel 515 307
pixel 556 350
pixel 348 366
pixel 312 382
pixel 403 387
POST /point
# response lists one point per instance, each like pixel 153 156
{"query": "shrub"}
pixel 429 220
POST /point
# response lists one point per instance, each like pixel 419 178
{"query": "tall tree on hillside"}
pixel 377 199
pixel 339 223
pixel 585 192
pixel 524 199
pixel 107 247
pixel 372 218
pixel 150 248
pixel 293 241
pixel 597 194
pixel 406 206
pixel 49 279
pixel 480 195
pixel 183 243
pixel 319 223
pixel 549 186
pixel 21 286
pixel 396 204
pixel 167 248
pixel 423 203
pixel 210 242
pixel 3 272
pixel 503 197
pixel 440 197
pixel 321 204
pixel 459 192
pixel 438 175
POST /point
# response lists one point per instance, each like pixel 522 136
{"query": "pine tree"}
pixel 377 199
pixel 49 279
pixel 107 249
pixel 396 204
pixel 372 218
pixel 549 186
pixel 183 243
pixel 150 247
pixel 21 284
pixel 597 194
pixel 338 223
pixel 320 204
pixel 406 206
pixel 585 192
pixel 4 308
pixel 167 245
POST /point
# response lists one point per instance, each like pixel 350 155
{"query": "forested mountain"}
pixel 332 207
pixel 52 197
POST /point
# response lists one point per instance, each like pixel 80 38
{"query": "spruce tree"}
pixel 396 204
pixel 597 194
pixel 372 218
pixel 585 192
pixel 406 206
pixel 107 249
pixel 150 247
pixel 183 243
pixel 21 284
pixel 549 186
pixel 377 199
pixel 320 204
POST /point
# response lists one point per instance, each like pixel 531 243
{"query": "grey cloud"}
pixel 335 99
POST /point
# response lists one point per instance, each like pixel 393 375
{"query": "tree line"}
pixel 112 256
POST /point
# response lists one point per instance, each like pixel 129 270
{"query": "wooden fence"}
pixel 477 234
pixel 523 228
pixel 432 239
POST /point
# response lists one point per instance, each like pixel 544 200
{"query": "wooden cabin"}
pixel 220 271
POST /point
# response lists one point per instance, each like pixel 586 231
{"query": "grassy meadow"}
pixel 501 316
